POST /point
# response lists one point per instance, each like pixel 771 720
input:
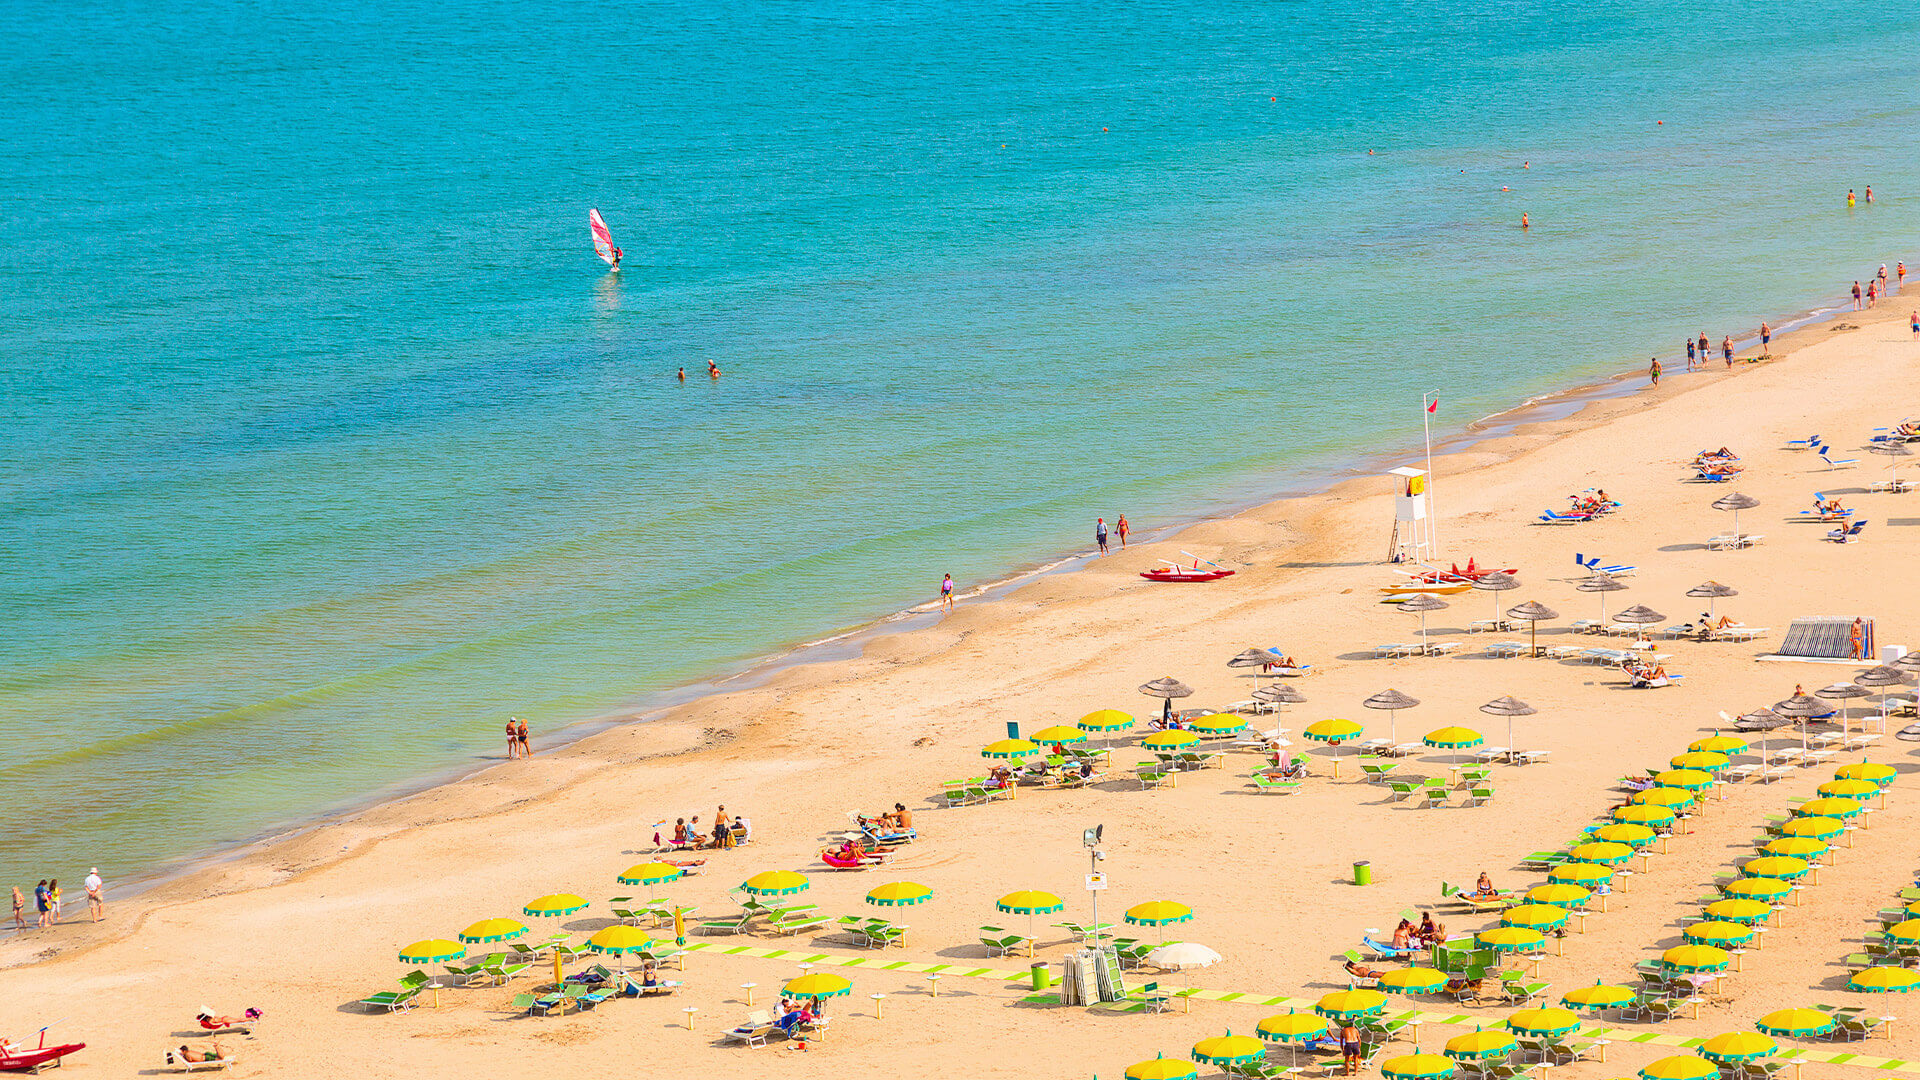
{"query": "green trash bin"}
pixel 1041 974
pixel 1363 873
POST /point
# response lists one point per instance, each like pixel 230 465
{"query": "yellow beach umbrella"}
pixel 1169 740
pixel 1883 980
pixel 1722 934
pixel 1813 828
pixel 1453 738
pixel 1653 817
pixel 1738 910
pixel 619 940
pixel 1671 797
pixel 899 894
pixel 1705 761
pixel 1756 889
pixel 1219 724
pixel 1292 1027
pixel 1547 1022
pixel 487 930
pixel 555 905
pixel 1718 744
pixel 1059 733
pixel 1347 1004
pixel 650 874
pixel 1681 1067
pixel 1419 1066
pixel 1009 748
pixel 1622 833
pixel 817 985
pixel 1775 866
pixel 1332 731
pixel 1535 917
pixel 1796 847
pixel 776 883
pixel 1510 939
pixel 1030 902
pixel 1850 789
pixel 1843 809
pixel 1599 996
pixel 1566 896
pixel 1585 875
pixel 1684 779
pixel 1413 980
pixel 1690 958
pixel 1228 1049
pixel 432 951
pixel 1479 1045
pixel 1104 721
pixel 1904 933
pixel 1158 913
pixel 1864 770
pixel 1601 852
pixel 1162 1068
pixel 1795 1023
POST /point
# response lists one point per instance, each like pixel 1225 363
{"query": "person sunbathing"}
pixel 210 1022
pixel 1000 777
pixel 1403 935
pixel 1361 971
pixel 793 1017
pixel 1483 889
pixel 186 1053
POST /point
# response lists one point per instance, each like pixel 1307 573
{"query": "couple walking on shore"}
pixel 517 746
pixel 1120 529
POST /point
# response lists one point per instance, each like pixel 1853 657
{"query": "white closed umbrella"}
pixel 1180 956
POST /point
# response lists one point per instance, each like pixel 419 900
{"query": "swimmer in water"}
pixel 1523 221
pixel 1849 198
pixel 713 370
pixel 1869 194
pixel 683 374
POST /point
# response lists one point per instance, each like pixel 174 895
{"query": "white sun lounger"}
pixel 1445 648
pixel 1728 542
pixel 1585 626
pixel 1563 652
pixel 1774 772
pixel 1507 648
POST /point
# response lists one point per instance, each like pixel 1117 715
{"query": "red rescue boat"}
pixel 18 1059
pixel 1183 573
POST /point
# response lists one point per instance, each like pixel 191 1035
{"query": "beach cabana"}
pixel 1390 701
pixel 1795 1023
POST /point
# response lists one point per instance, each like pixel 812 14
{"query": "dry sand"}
pixel 303 926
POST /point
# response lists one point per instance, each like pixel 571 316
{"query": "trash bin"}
pixel 1363 873
pixel 1041 972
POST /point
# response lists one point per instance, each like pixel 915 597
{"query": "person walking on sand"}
pixel 1883 277
pixel 526 748
pixel 19 909
pixel 1766 337
pixel 1653 372
pixel 513 740
pixel 1916 324
pixel 96 903
pixel 1121 529
pixel 42 905
pixel 1726 349
pixel 946 593
pixel 1689 354
pixel 1856 296
pixel 1100 534
pixel 1705 350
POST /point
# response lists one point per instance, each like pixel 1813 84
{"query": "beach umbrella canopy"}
pixel 1812 828
pixel 492 930
pixel 1496 583
pixel 1631 835
pixel 1332 731
pixel 1533 613
pixel 1800 706
pixel 1419 1066
pixel 1162 1068
pixel 1479 1045
pixel 1166 687
pixel 1585 875
pixel 555 905
pixel 1350 1004
pixel 432 951
pixel 1893 452
pixel 1681 1067
pixel 1104 720
pixel 649 873
pixel 1738 910
pixel 1764 889
pixel 776 883
pixel 1602 852
pixel 1279 695
pixel 1544 1023
pixel 1219 724
pixel 1653 817
pixel 1158 913
pixel 1030 902
pixel 1180 955
pixel 1718 744
pixel 1735 502
pixel 1783 867
pixel 1534 917
pixel 1169 740
pixel 899 894
pixel 1869 771
pixel 1638 615
pixel 1009 748
pixel 1761 720
pixel 1684 779
pixel 1291 1027
pixel 1599 996
pixel 1453 738
pixel 1602 584
pixel 1229 1049
pixel 1391 701
pixel 1883 980
pixel 1062 734
pixel 1905 933
pixel 1566 896
pixel 1828 807
pixel 1695 958
pixel 1510 939
pixel 1712 592
pixel 620 939
pixel 1842 691
pixel 1881 675
pixel 1414 980
pixel 1795 1023
pixel 1508 707
pixel 1700 761
pixel 1252 658
pixel 1671 797
pixel 1420 605
pixel 817 985
pixel 1908 662
pixel 1796 847
pixel 1722 934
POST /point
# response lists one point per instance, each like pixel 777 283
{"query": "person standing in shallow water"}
pixel 1121 529
pixel 513 740
pixel 1100 534
pixel 946 593
pixel 1653 371
pixel 526 748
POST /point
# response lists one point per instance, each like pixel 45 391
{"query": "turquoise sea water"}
pixel 327 443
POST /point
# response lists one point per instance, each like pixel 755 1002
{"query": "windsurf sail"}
pixel 602 239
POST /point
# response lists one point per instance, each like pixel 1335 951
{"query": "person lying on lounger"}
pixel 1362 971
pixel 216 1052
pixel 210 1022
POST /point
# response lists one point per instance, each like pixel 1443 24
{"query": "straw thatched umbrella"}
pixel 1882 678
pixel 1736 502
pixel 1762 721
pixel 1169 688
pixel 1508 707
pixel 1392 701
pixel 1638 615
pixel 1801 709
pixel 1894 452
pixel 1496 583
pixel 1533 613
pixel 1602 584
pixel 1279 694
pixel 1843 692
pixel 1257 659
pixel 1423 603
pixel 1713 591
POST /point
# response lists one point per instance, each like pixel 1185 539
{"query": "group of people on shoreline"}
pixel 47 899
pixel 1877 285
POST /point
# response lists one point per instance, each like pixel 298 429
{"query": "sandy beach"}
pixel 304 926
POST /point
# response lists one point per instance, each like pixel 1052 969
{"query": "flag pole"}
pixel 1428 403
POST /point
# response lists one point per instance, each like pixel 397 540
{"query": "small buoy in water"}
pixel 1659 121
pixel 1273 99
pixel 1506 189
pixel 1103 129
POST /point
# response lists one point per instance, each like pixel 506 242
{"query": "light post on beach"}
pixel 1096 881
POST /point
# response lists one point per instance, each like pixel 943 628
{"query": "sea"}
pixel 327 444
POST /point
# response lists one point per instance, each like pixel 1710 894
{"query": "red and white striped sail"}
pixel 602 239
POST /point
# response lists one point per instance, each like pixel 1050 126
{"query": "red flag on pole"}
pixel 1432 405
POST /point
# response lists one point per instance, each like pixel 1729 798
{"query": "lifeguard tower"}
pixel 1412 539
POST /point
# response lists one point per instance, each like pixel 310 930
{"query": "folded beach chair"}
pixel 1847 533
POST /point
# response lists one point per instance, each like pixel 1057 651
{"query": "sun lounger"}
pixel 1728 542
pixel 1398 648
pixel 1377 771
pixel 1001 941
pixel 1507 649
pixel 1274 784
pixel 1155 776
pixel 1529 757
pixel 1548 517
pixel 754 1032
pixel 178 1062
pixel 1479 796
pixel 1594 566
pixel 1383 951
pixel 1478 625
pixel 1436 795
pixel 1843 463
pixel 1890 487
pixel 1847 534
pixel 1490 754
pixel 1807 443
pixel 1585 626
pixel 729 924
pixel 1445 648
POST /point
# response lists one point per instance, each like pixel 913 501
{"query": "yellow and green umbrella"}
pixel 1883 980
pixel 1866 770
pixel 1453 738
pixel 1059 733
pixel 1158 913
pixel 1850 789
pixel 432 951
pixel 650 874
pixel 1599 996
pixel 1219 724
pixel 1722 934
pixel 1585 875
pixel 1169 740
pixel 620 940
pixel 816 985
pixel 1030 902
pixel 1795 1023
pixel 1566 896
pixel 1844 809
pixel 1479 1045
pixel 1291 1027
pixel 1546 1023
pixel 1812 828
pixel 1602 852
pixel 1681 1067
pixel 487 930
pixel 555 905
pixel 1350 1004
pixel 1766 889
pixel 1104 720
pixel 776 883
pixel 1706 761
pixel 1332 731
pixel 1717 744
pixel 1162 1068
pixel 1510 939
pixel 1653 817
pixel 1690 958
pixel 899 894
pixel 1783 867
pixel 1684 779
pixel 1413 980
pixel 1419 1066
pixel 1228 1049
pixel 1535 917
pixel 1737 1046
pixel 1009 748
pixel 1904 933
pixel 1672 798
pixel 1622 833
pixel 1738 910
pixel 1796 847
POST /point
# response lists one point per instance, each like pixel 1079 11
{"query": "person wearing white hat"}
pixel 96 904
